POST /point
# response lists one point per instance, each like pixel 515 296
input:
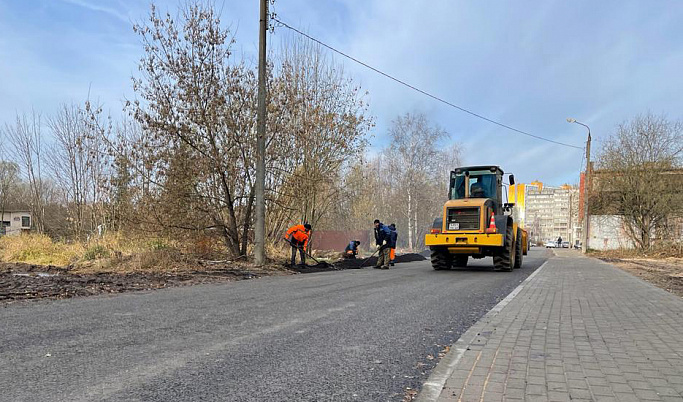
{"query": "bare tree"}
pixel 322 125
pixel 640 177
pixel 9 178
pixel 68 161
pixel 412 155
pixel 195 111
pixel 26 139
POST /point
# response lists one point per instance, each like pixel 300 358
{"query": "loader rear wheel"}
pixel 441 259
pixel 504 259
pixel 519 255
pixel 460 261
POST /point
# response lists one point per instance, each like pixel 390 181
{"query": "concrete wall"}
pixel 607 233
pixel 12 221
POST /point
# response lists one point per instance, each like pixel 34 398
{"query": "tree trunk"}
pixel 247 223
pixel 410 221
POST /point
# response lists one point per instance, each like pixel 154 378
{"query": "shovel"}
pixel 366 260
pixel 319 263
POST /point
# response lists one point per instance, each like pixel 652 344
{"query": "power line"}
pixel 462 109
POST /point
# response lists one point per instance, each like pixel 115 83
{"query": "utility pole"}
pixel 586 194
pixel 586 188
pixel 260 228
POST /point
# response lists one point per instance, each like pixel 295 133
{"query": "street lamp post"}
pixel 586 186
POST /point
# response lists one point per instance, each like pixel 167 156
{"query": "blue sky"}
pixel 527 64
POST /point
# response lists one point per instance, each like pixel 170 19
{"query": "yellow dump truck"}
pixel 476 222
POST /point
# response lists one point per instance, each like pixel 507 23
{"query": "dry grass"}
pixel 656 253
pixel 39 249
pixel 666 273
pixel 106 252
pixel 163 260
pixel 125 253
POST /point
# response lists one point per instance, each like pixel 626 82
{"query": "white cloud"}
pixel 98 7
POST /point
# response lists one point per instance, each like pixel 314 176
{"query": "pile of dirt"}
pixel 309 269
pixel 354 263
pixel 411 257
pixel 24 281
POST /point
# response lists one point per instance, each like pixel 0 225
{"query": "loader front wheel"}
pixel 504 260
pixel 519 255
pixel 441 259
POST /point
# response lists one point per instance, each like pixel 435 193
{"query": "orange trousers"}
pixel 392 254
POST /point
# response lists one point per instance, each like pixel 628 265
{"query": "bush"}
pixel 157 244
pixel 96 252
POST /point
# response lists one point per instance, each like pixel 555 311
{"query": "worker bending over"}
pixel 351 250
pixel 297 236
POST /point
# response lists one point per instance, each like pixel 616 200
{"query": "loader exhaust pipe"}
pixel 467 184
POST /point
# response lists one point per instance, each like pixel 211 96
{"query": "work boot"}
pixel 377 267
pixel 392 264
pixel 385 267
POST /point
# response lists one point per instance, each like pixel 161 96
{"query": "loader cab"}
pixel 477 182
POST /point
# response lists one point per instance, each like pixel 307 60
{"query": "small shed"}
pixel 15 222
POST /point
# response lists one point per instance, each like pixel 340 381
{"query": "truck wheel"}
pixel 460 261
pixel 441 259
pixel 504 259
pixel 519 255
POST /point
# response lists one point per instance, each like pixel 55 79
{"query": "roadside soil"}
pixel 665 273
pixel 19 281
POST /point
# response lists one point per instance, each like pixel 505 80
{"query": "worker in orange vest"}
pixel 393 236
pixel 297 236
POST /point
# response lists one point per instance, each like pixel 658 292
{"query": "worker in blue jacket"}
pixel 382 239
pixel 351 250
pixel 393 236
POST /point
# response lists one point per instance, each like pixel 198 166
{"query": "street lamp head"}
pixel 570 120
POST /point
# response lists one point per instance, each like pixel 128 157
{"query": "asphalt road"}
pixel 357 335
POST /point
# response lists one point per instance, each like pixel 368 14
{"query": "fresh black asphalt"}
pixel 355 335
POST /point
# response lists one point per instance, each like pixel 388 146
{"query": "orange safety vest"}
pixel 298 233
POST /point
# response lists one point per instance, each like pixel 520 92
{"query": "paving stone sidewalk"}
pixel 579 330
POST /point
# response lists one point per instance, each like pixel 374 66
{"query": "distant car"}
pixel 565 244
pixel 550 244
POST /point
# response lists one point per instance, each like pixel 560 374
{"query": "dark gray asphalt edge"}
pixel 431 389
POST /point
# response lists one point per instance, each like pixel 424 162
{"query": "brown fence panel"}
pixel 336 240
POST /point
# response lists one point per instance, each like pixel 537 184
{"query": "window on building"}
pixel 3 227
pixel 25 221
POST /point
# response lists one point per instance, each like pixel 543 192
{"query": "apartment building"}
pixel 547 212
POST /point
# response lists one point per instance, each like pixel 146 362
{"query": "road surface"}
pixel 356 335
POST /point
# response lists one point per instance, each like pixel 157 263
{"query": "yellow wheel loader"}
pixel 476 222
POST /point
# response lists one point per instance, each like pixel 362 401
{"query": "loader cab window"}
pixel 482 184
